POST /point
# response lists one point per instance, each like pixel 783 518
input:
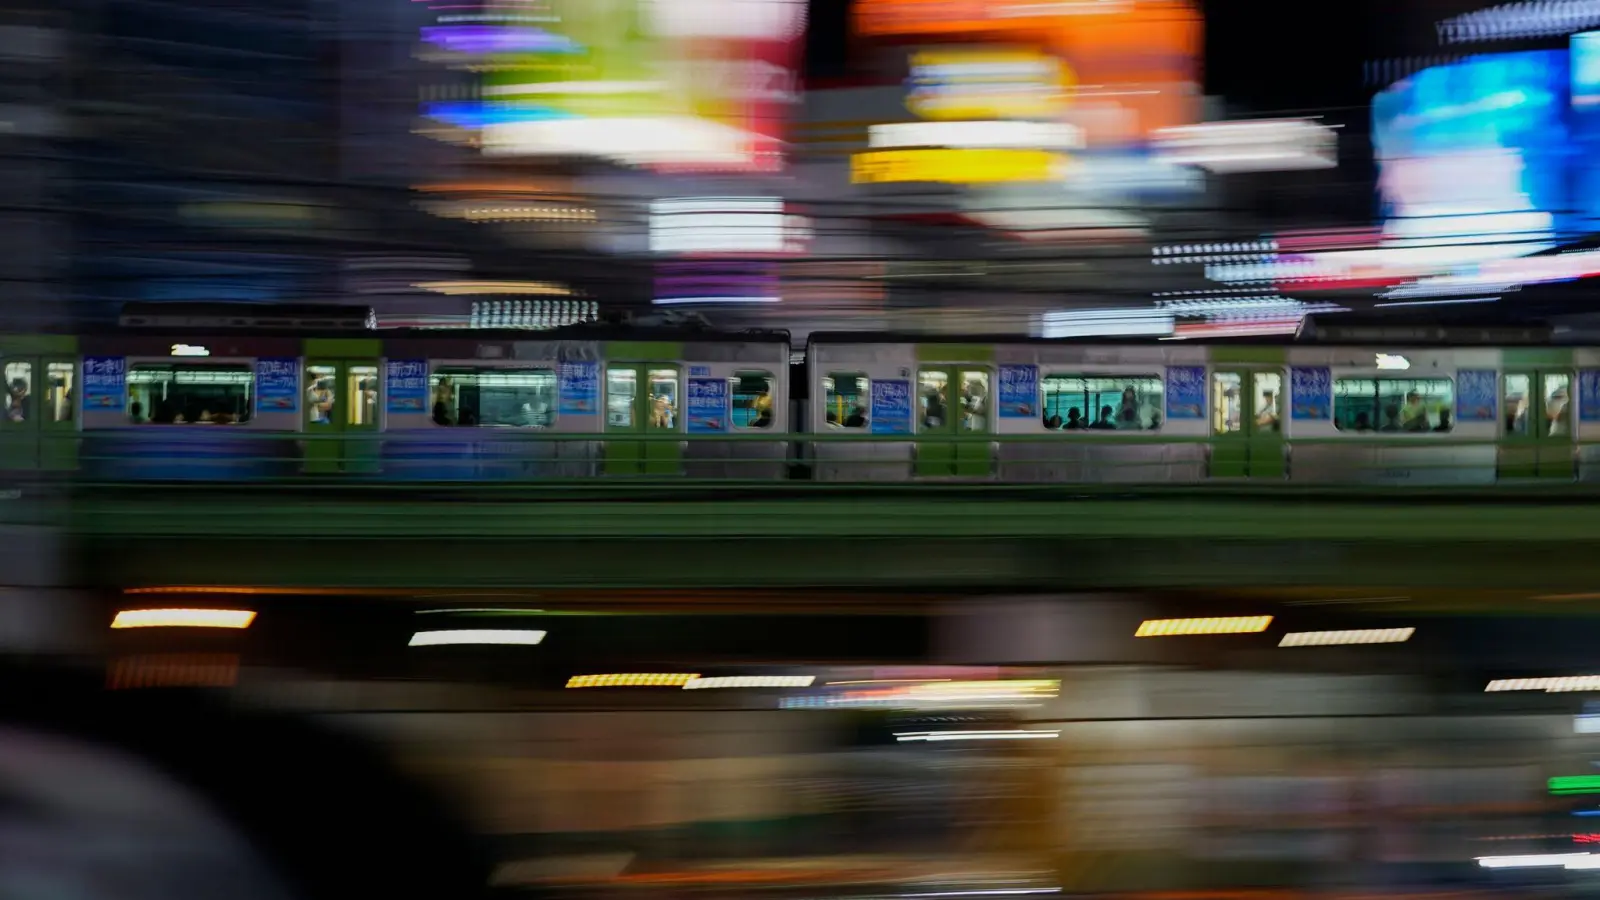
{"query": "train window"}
pixel 320 394
pixel 975 401
pixel 191 393
pixel 1226 413
pixel 362 385
pixel 846 397
pixel 1102 402
pixel 752 400
pixel 622 388
pixel 1412 405
pixel 1268 401
pixel 933 393
pixel 1518 390
pixel 61 378
pixel 1557 388
pixel 19 391
pixel 493 397
pixel 663 400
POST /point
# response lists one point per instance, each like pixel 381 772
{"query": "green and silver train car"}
pixel 893 408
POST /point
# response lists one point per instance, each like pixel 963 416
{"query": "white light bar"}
pixel 1531 861
pixel 476 636
pixel 1357 636
pixel 996 135
pixel 672 141
pixel 1104 323
pixel 1006 735
pixel 1561 684
pixel 184 618
pixel 750 681
pixel 1265 145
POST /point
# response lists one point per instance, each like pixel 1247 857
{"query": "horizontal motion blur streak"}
pixel 1212 625
pixel 476 636
pixel 184 618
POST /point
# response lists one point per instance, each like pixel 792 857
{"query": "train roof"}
pixel 1343 329
pixel 329 320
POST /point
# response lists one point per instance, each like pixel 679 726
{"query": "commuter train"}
pixel 203 394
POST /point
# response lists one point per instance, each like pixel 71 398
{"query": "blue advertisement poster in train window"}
pixel 1310 394
pixel 891 407
pixel 1186 392
pixel 405 384
pixel 1589 395
pixel 1019 392
pixel 580 388
pixel 709 405
pixel 1477 395
pixel 105 382
pixel 277 385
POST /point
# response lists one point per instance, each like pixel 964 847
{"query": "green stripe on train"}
pixel 346 348
pixel 1276 356
pixel 643 351
pixel 955 353
pixel 38 344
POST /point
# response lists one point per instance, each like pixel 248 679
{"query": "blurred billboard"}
pixel 708 81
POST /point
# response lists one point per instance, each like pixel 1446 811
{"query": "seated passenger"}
pixel 1391 418
pixel 833 419
pixel 136 413
pixel 1075 419
pixel 1107 421
pixel 1053 423
pixel 1444 421
pixel 441 413
pixel 764 419
pixel 1363 422
pixel 857 418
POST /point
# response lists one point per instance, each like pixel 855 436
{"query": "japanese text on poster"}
pixel 1478 395
pixel 406 382
pixel 1186 392
pixel 1019 392
pixel 580 388
pixel 891 407
pixel 708 405
pixel 1311 394
pixel 277 386
pixel 105 383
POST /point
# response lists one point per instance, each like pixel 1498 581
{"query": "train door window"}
pixel 1409 405
pixel 496 397
pixel 663 400
pixel 61 378
pixel 320 394
pixel 19 391
pixel 1519 393
pixel 622 389
pixel 1268 401
pixel 1226 411
pixel 192 393
pixel 846 399
pixel 974 410
pixel 1556 388
pixel 752 400
pixel 362 389
pixel 933 398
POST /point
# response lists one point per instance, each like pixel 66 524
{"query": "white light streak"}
pixel 1356 636
pixel 506 636
pixel 1560 684
pixel 749 681
pixel 942 736
pixel 1531 861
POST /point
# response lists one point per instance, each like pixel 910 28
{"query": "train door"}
pixel 38 431
pixel 643 401
pixel 1538 425
pixel 341 416
pixel 1247 409
pixel 953 402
